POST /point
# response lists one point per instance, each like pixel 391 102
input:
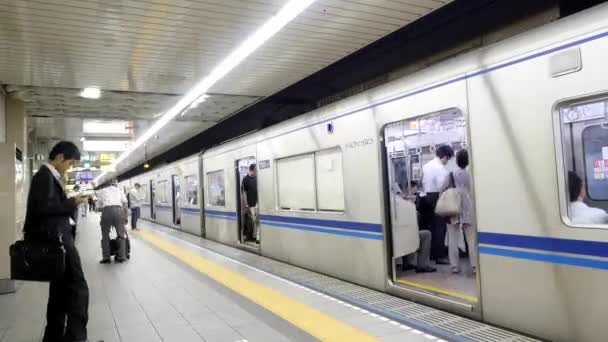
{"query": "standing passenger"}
pixel 435 179
pixel 113 200
pixel 250 188
pixel 48 217
pixel 464 222
pixel 137 199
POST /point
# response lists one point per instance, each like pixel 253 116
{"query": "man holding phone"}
pixel 48 218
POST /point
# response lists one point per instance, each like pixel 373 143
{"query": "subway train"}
pixel 333 184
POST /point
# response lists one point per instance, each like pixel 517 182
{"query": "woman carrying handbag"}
pixel 463 221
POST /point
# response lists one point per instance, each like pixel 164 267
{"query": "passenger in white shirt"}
pixel 435 179
pixel 113 200
pixel 580 212
pixel 136 197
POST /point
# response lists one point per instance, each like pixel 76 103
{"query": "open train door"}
pixel 248 224
pixel 419 238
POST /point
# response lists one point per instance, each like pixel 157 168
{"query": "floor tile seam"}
pixel 147 316
pixel 107 302
pixel 155 281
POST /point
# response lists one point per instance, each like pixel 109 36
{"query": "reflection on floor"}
pixel 462 286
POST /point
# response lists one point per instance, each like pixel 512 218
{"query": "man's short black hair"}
pixel 67 148
pixel 462 159
pixel 575 185
pixel 252 167
pixel 445 151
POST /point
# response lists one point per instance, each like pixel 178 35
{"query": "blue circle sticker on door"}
pixel 330 127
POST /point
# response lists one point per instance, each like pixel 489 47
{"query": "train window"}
pixel 296 182
pixel 583 129
pixel 216 188
pixel 329 181
pixel 161 192
pixel 191 190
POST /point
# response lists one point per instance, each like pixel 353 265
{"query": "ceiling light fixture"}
pixel 91 93
pixel 286 14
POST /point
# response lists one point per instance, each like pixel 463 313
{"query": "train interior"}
pixel 248 223
pixel 409 145
pixel 584 138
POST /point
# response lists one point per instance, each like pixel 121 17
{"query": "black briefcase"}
pixel 37 260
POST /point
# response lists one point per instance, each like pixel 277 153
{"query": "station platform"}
pixel 178 287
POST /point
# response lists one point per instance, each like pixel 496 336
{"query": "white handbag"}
pixel 449 203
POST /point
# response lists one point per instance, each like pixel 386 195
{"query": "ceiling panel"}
pixel 145 53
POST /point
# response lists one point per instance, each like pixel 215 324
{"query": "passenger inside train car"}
pixel 584 145
pixel 432 141
pixel 580 212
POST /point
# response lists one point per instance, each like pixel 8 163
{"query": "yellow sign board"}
pixel 106 158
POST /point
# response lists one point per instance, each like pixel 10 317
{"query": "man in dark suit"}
pixel 48 217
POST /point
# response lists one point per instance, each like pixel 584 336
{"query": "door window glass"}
pixel 216 188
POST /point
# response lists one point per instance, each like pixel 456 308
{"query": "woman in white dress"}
pixel 463 222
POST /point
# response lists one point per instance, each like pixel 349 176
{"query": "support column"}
pixel 13 185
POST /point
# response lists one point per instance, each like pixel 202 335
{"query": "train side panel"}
pixel 320 239
pixel 518 199
pixel 220 207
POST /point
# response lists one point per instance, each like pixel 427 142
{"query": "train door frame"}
pixel 239 206
pixel 419 294
pixel 175 205
pixel 152 200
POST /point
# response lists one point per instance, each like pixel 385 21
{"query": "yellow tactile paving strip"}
pixel 310 320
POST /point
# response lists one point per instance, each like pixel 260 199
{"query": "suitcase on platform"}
pixel 114 247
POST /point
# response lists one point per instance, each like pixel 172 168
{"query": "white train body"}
pixel 538 273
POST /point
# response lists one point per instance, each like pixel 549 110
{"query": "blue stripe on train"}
pixel 550 258
pixel 581 247
pixel 361 226
pixel 342 232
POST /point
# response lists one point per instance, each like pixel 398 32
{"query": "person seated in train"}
pixel 464 221
pixel 580 212
pixel 435 180
pixel 420 261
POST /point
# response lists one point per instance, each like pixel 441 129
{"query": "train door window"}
pixel 247 199
pixel 161 192
pixel 191 190
pixel 329 180
pixel 421 240
pixel 583 141
pixel 216 189
pixel 177 211
pixel 296 183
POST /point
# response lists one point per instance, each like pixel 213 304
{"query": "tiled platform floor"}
pixel 156 297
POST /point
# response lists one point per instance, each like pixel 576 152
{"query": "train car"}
pixel 336 187
pixel 172 195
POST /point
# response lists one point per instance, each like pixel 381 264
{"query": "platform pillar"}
pixel 13 187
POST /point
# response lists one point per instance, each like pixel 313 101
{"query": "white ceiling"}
pixel 143 53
